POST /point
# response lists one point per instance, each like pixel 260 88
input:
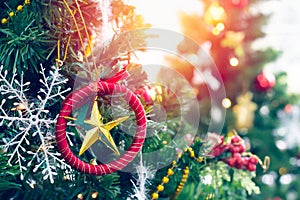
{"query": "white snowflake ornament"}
pixel 29 122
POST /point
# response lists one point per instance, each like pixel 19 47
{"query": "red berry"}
pixel 236 155
pixel 234 149
pixel 239 163
pixel 230 162
pixel 242 148
pixel 217 151
pixel 235 139
pixel 253 160
pixel 246 161
pixel 238 166
pixel 251 167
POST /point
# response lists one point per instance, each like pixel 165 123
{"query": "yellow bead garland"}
pixel 184 177
pixel 164 180
pixel 192 154
pixel 170 172
pixel 19 8
pixel 3 21
pixel 11 14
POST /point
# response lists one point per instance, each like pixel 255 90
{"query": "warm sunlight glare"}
pixel 162 15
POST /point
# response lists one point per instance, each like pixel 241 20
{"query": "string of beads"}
pixel 12 13
pixel 170 172
pixel 164 180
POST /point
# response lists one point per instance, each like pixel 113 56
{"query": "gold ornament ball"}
pixel 11 14
pixel 170 172
pixel 154 195
pixel 160 188
pixel 186 171
pixel 27 2
pixel 165 179
pixel 4 21
pixel 19 8
pixel 192 154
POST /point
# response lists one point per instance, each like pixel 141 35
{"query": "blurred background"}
pixel 255 47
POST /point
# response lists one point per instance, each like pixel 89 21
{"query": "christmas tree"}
pixel 255 98
pixel 80 120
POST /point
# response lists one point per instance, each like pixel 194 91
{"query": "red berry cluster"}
pixel 236 147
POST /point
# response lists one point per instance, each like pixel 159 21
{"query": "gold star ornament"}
pixel 99 129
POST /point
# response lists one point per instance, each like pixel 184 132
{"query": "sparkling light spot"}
pixel 220 26
pixel 268 179
pixel 234 62
pixel 94 195
pixel 226 103
pixel 286 179
pixel 282 145
pixel 215 31
pixel 216 11
pixel 264 110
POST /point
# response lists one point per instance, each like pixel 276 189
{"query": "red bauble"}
pixel 265 81
pixel 239 3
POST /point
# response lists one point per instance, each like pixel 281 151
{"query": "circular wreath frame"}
pixel 79 97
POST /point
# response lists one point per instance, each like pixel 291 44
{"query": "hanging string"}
pixel 66 51
pixel 88 36
pixel 58 60
pixel 80 38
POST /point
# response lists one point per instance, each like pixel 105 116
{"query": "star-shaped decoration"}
pixel 98 130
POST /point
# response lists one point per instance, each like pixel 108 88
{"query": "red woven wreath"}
pixel 78 98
